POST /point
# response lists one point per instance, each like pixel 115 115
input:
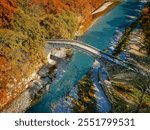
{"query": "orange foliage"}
pixel 7 10
pixel 83 7
pixel 50 6
pixel 145 11
pixel 3 97
pixel 4 70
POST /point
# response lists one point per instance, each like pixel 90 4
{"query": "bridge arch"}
pixel 90 50
pixel 96 53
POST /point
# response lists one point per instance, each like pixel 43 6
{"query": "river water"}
pixel 103 34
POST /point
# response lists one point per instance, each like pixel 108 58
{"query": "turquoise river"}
pixel 103 34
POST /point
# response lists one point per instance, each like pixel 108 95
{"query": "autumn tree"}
pixel 48 6
pixel 62 25
pixel 24 26
pixel 7 10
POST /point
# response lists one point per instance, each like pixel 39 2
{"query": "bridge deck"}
pixel 96 53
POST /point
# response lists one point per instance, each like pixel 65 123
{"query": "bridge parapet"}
pixel 96 53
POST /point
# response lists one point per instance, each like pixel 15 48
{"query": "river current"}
pixel 103 34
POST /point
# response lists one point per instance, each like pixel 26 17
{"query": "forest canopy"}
pixel 24 27
pixel 8 8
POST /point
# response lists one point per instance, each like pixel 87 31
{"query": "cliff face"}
pixel 24 26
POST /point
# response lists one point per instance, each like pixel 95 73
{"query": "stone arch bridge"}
pixel 90 50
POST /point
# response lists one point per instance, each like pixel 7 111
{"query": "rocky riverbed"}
pixel 41 82
pixel 36 88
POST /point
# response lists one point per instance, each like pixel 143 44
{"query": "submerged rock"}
pixel 45 80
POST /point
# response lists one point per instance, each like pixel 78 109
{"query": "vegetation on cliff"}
pixel 145 23
pixel 24 26
pixel 8 9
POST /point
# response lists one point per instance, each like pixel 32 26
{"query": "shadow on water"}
pixel 100 36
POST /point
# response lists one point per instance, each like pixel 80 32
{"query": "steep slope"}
pixel 24 26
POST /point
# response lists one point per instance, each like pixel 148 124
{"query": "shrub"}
pixel 8 9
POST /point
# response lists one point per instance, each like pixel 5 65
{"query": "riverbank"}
pixel 55 92
pixel 34 89
pixel 87 23
pixel 130 91
pixel 19 88
pixel 55 101
pixel 127 90
pixel 19 91
pixel 39 84
pixel 132 44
